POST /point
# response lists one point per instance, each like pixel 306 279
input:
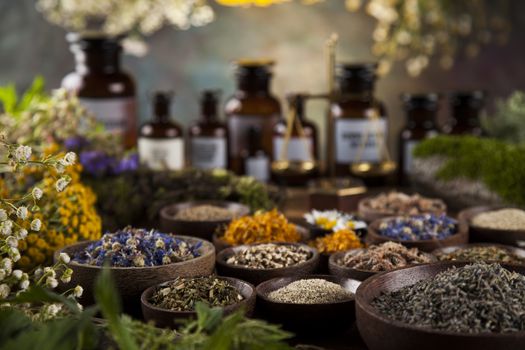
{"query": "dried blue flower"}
pixel 419 227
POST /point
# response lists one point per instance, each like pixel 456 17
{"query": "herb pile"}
pixel 337 241
pixel 310 291
pixel 270 256
pixel 502 219
pixel 418 227
pixel 483 253
pixel 204 212
pixel 397 203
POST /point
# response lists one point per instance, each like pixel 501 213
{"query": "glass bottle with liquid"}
pixel 251 106
pixel 208 137
pixel 356 119
pixel 421 112
pixel 161 141
pixel 255 160
pixel 466 108
pixel 102 86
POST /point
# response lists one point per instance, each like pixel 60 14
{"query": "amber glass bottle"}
pixel 101 85
pixel 161 141
pixel 465 108
pixel 208 137
pixel 421 112
pixel 356 116
pixel 254 159
pixel 252 105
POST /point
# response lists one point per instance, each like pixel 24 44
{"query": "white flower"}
pixel 53 309
pixel 3 274
pixel 36 224
pixel 12 241
pixel 24 284
pixel 4 291
pixel 70 158
pixel 6 227
pixel 77 292
pixel 22 153
pixel 51 282
pixel 64 258
pixel 326 219
pixel 22 233
pixel 18 274
pixel 48 271
pixel 38 272
pixel 3 215
pixel 7 265
pixel 37 193
pixel 22 212
pixel 61 184
pixel 14 254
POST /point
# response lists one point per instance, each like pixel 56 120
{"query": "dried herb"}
pixel 397 203
pixel 270 256
pixel 205 213
pixel 338 241
pixel 183 293
pixel 310 291
pixel 483 253
pixel 419 227
pixel 472 299
pixel 503 219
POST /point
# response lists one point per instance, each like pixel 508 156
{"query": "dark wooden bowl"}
pixel 516 251
pixel 200 229
pixel 381 333
pixel 305 318
pixel 368 214
pixel 171 319
pixel 483 234
pixel 349 272
pixel 132 281
pixel 429 245
pixel 257 276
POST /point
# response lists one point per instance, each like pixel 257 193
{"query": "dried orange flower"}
pixel 262 227
pixel 338 241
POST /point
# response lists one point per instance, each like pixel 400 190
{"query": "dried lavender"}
pixel 419 227
pixel 183 293
pixel 310 291
pixel 270 256
pixel 204 212
pixel 384 257
pixel 483 253
pixel 472 299
pixel 133 247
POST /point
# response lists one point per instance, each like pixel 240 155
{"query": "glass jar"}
pixel 254 159
pixel 251 106
pixel 208 137
pixel 101 86
pixel 465 110
pixel 161 141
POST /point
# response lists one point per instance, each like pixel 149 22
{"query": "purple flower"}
pixel 75 143
pixel 96 162
pixel 127 164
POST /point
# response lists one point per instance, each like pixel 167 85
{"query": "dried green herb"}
pixel 310 291
pixel 483 253
pixel 270 256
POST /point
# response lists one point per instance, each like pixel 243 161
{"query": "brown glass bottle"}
pixel 208 137
pixel 252 105
pixel 421 112
pixel 161 141
pixel 101 85
pixel 255 161
pixel 301 147
pixel 354 114
pixel 465 108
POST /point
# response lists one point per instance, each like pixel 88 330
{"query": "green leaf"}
pixel 8 98
pixel 37 294
pixel 12 324
pixel 34 94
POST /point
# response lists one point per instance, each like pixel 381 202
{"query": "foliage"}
pixel 497 164
pixel 508 121
pixel 14 106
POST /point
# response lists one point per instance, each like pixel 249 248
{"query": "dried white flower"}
pixel 17 274
pixel 77 292
pixel 7 265
pixel 22 233
pixel 24 284
pixel 14 254
pixel 61 184
pixel 36 224
pixel 63 257
pixel 37 193
pixel 4 291
pixel 3 215
pixel 51 282
pixel 12 241
pixel 6 227
pixel 70 158
pixel 22 153
pixel 22 212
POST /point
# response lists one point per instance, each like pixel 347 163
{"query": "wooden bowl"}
pixel 305 318
pixel 170 319
pixel 357 274
pixel 200 229
pixel 516 251
pixel 257 276
pixel 382 333
pixel 368 214
pixel 429 245
pixel 132 281
pixel 483 234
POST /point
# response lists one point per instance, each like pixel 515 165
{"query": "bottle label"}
pixel 208 152
pixel 408 151
pixel 258 167
pixel 238 126
pixel 161 154
pixel 356 140
pixel 299 148
pixel 117 114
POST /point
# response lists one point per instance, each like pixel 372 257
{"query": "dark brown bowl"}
pixel 460 237
pixel 200 229
pixel 381 333
pixel 305 318
pixel 171 319
pixel 368 214
pixel 483 234
pixel 132 281
pixel 516 251
pixel 349 272
pixel 257 276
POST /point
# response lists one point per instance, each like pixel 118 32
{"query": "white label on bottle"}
pixel 356 140
pixel 408 155
pixel 299 148
pixel 238 126
pixel 258 167
pixel 114 113
pixel 161 154
pixel 208 152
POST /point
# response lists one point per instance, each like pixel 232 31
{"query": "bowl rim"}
pixel 363 206
pixel 290 279
pixel 469 213
pixel 165 212
pixel 371 311
pixel 373 230
pixel 210 251
pixel 221 257
pixel 147 291
pixel 512 249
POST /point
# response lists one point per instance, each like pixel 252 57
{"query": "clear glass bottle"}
pixel 252 105
pixel 208 137
pixel 465 110
pixel 161 141
pixel 254 159
pixel 102 86
pixel 355 115
pixel 421 112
